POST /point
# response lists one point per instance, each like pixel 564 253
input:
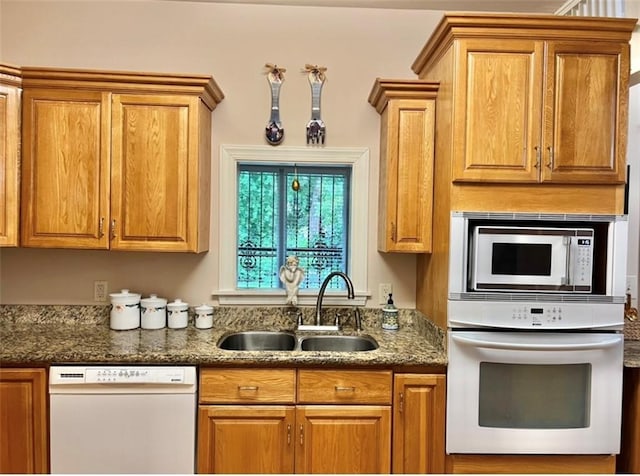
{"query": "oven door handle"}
pixel 609 341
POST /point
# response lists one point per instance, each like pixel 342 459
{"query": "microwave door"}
pixel 519 262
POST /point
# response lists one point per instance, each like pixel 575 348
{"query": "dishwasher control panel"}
pixel 61 375
pixel 134 375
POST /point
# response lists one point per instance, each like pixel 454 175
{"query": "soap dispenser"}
pixel 390 315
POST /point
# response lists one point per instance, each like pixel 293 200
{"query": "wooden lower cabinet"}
pixel 251 439
pixel 294 421
pixel 419 402
pixel 343 439
pixel 23 421
pixel 629 459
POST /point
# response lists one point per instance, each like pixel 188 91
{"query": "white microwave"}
pixel 531 258
pixel 504 256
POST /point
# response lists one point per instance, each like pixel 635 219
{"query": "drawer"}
pixel 345 386
pixel 247 385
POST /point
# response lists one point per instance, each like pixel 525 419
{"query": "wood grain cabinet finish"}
pixel 240 433
pixel 10 107
pixel 116 160
pixel 23 421
pixel 407 110
pixel 535 99
pixel 419 402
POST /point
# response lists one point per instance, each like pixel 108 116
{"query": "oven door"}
pixel 534 392
pixel 509 259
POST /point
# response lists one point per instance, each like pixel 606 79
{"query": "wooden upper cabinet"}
pixel 407 109
pixel 116 160
pixel 585 122
pixel 534 98
pixel 10 92
pixel 65 169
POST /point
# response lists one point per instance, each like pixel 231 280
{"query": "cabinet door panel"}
pixel 23 421
pixel 245 439
pixel 497 112
pixel 65 171
pixel 419 423
pixel 9 163
pixel 586 85
pixel 154 164
pixel 343 439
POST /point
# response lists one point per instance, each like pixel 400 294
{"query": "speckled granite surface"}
pixel 81 334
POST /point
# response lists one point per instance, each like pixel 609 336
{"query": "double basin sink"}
pixel 287 341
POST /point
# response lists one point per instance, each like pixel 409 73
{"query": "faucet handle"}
pixel 337 319
pixel 299 317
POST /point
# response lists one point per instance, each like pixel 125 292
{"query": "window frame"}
pixel 230 157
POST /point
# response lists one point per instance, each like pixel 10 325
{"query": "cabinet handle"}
pixel 113 229
pixel 401 402
pixel 393 231
pixel 345 389
pixel 247 388
pixel 301 435
pixel 289 434
pixel 537 149
pixel 101 227
pixel 550 163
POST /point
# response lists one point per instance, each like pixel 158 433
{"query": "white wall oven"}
pixel 535 314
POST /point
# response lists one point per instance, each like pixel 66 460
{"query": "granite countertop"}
pixel 64 334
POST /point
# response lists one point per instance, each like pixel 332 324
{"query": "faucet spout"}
pixel 325 283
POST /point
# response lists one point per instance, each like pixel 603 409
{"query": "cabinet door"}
pixel 246 439
pixel 155 172
pixel 343 439
pixel 419 423
pixel 23 421
pixel 585 112
pixel 497 110
pixel 9 163
pixel 65 169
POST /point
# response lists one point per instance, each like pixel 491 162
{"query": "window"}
pixel 272 168
pixel 275 221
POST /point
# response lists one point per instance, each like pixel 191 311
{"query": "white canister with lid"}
pixel 204 317
pixel 125 310
pixel 153 312
pixel 177 314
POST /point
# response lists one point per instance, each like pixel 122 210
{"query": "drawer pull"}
pixel 289 434
pixel 345 389
pixel 247 388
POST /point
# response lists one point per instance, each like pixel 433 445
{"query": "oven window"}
pixel 521 259
pixel 534 396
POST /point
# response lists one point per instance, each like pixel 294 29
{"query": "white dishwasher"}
pixel 122 419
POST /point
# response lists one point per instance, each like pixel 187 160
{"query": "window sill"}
pixel 278 297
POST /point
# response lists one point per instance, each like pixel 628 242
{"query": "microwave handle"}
pixel 566 241
pixel 609 341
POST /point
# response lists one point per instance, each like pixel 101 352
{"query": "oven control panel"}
pixel 534 315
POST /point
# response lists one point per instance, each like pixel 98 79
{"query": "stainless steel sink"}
pixel 258 340
pixel 338 343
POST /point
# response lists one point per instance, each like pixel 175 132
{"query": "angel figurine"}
pixel 291 276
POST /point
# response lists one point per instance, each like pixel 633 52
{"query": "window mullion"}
pixel 282 213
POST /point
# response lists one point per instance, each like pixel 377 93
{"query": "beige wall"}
pixel 232 43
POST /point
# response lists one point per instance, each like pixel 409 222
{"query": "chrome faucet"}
pixel 350 295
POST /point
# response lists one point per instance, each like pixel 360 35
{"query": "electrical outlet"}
pixel 632 285
pixel 100 291
pixel 384 290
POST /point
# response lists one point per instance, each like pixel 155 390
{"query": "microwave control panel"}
pixel 583 262
pixel 534 315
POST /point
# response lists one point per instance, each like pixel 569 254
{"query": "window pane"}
pixel 315 227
